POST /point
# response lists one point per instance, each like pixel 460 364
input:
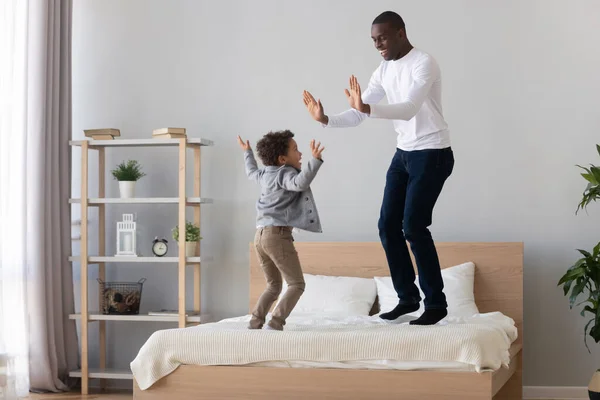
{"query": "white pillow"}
pixel 458 288
pixel 341 295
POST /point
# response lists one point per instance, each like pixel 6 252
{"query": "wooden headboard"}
pixel 498 269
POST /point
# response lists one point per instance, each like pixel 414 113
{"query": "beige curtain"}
pixel 35 175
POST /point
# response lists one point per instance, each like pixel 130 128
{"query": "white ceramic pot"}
pixel 127 189
pixel 190 249
pixel 594 386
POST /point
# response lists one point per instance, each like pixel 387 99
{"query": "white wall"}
pixel 520 95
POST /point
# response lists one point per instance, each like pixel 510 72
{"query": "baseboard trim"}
pixel 529 392
pixel 555 392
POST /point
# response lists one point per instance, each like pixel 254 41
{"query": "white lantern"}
pixel 126 235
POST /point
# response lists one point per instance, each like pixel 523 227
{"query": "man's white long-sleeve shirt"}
pixel 413 86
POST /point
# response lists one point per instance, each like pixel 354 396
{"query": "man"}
pixel 411 80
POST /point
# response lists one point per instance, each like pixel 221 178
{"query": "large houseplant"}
pixel 583 277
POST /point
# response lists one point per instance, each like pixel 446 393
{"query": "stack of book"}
pixel 102 134
pixel 169 133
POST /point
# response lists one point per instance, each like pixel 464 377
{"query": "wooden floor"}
pixel 77 396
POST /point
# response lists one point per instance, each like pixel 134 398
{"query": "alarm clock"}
pixel 159 247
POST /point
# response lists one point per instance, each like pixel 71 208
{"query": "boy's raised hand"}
pixel 244 146
pixel 316 149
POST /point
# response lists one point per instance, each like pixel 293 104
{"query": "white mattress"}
pixel 370 364
pixel 479 343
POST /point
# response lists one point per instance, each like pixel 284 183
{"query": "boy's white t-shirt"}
pixel 413 87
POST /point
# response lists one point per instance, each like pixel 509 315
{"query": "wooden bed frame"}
pixel 498 287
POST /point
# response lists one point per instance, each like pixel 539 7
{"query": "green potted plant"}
pixel 192 237
pixel 128 173
pixel 583 277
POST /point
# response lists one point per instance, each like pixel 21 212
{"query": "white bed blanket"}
pixel 482 341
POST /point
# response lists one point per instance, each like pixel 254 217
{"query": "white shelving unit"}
pixel 86 315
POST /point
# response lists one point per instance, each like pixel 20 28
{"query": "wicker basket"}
pixel 121 298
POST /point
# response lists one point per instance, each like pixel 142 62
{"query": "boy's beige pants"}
pixel 278 258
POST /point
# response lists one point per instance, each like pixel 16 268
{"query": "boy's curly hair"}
pixel 273 145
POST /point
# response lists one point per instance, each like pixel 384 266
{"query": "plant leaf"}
pixel 594 298
pixel 588 300
pixel 584 168
pixel 596 250
pixel 567 286
pixel 595 331
pixel 590 178
pixel 598 148
pixel 585 329
pixel 566 278
pixel 588 309
pixel 572 274
pixel 577 290
pixel 585 253
pixel 596 172
pixel 568 275
pixel 578 264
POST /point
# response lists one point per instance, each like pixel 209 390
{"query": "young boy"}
pixel 285 202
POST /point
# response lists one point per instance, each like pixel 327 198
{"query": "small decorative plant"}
pixel 192 237
pixel 128 171
pixel 192 233
pixel 583 277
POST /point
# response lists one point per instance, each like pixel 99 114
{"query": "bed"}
pixel 498 293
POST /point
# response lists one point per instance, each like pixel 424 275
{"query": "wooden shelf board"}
pixel 144 200
pixel 96 316
pixel 104 373
pixel 141 142
pixel 123 259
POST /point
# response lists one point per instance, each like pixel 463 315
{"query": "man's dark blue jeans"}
pixel 413 183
